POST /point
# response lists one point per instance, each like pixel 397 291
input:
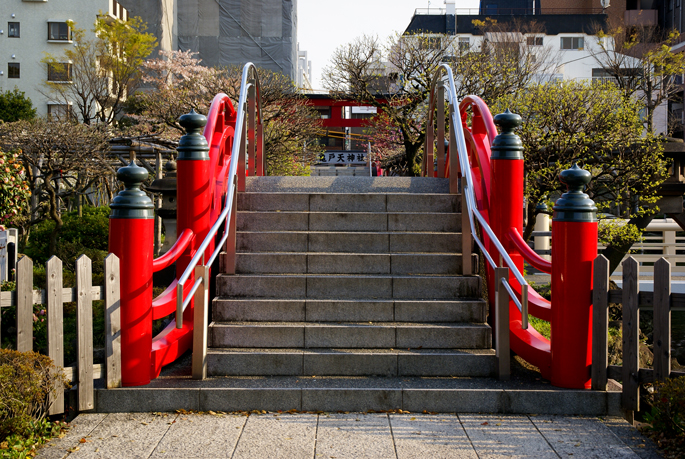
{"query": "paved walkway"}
pixel 346 435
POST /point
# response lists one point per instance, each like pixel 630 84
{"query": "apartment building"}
pixel 565 33
pixel 30 29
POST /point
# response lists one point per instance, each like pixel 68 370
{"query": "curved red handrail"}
pixel 174 252
pixel 528 254
pixel 219 131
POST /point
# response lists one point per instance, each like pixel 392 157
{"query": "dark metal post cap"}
pixel 193 144
pixel 132 202
pixel 574 205
pixel 507 145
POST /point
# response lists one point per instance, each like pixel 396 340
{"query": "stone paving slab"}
pixel 430 436
pixel 191 436
pixel 346 435
pixel 494 436
pixel 354 435
pixel 583 437
pixel 283 436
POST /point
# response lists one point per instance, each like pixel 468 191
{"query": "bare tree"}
pixel 61 158
pixel 639 60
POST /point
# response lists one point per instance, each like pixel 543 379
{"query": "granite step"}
pixel 347 242
pixel 347 263
pixel 348 310
pixel 364 335
pixel 351 362
pixel 348 286
pixel 348 221
pixel 349 202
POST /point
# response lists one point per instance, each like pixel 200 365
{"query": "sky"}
pixel 324 25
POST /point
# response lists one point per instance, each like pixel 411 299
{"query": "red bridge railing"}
pixel 212 168
pixel 487 169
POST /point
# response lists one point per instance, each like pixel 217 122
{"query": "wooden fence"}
pixel 53 297
pixel 661 301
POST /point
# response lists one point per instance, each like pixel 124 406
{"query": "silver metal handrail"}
pixel 472 209
pixel 245 86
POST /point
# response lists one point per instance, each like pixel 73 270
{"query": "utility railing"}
pixel 456 164
pixel 214 157
pixel 488 170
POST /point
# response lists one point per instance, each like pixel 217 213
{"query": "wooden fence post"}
pixel 112 322
pixel 630 399
pixel 84 320
pixel 502 325
pixel 662 320
pixel 600 323
pixel 55 310
pixel 25 305
pixel 200 314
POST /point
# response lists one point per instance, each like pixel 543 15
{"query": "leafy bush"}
pixel 26 381
pixel 668 408
pixel 85 235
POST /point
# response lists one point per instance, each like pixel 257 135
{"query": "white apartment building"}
pixel 31 28
pixel 565 41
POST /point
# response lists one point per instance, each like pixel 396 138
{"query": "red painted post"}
pixel 131 230
pixel 506 195
pixel 193 193
pixel 574 248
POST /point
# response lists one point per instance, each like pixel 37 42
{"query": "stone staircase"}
pixel 349 276
pixel 348 297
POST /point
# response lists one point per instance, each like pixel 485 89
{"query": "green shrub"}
pixel 668 408
pixel 85 235
pixel 26 381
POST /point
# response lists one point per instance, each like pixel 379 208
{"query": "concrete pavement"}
pixel 346 435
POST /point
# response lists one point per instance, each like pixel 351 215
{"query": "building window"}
pixel 534 41
pixel 572 43
pixel 464 44
pixel 59 112
pixel 13 70
pixel 59 72
pixel 13 29
pixel 59 31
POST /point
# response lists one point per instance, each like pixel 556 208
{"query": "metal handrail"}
pixel 245 86
pixel 472 209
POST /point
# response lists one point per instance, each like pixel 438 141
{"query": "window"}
pixel 59 112
pixel 59 72
pixel 572 43
pixel 464 44
pixel 534 41
pixel 13 70
pixel 59 31
pixel 13 29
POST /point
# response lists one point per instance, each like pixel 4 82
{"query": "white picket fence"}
pixel 53 297
pixel 660 240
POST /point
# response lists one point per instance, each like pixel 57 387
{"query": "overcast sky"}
pixel 324 25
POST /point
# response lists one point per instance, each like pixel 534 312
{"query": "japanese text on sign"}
pixel 343 157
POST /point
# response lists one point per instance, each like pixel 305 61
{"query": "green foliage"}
pixel 618 232
pixel 593 125
pixel 18 446
pixel 15 106
pixel 105 67
pixel 26 381
pixel 542 326
pixel 668 408
pixel 85 235
pixel 14 189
